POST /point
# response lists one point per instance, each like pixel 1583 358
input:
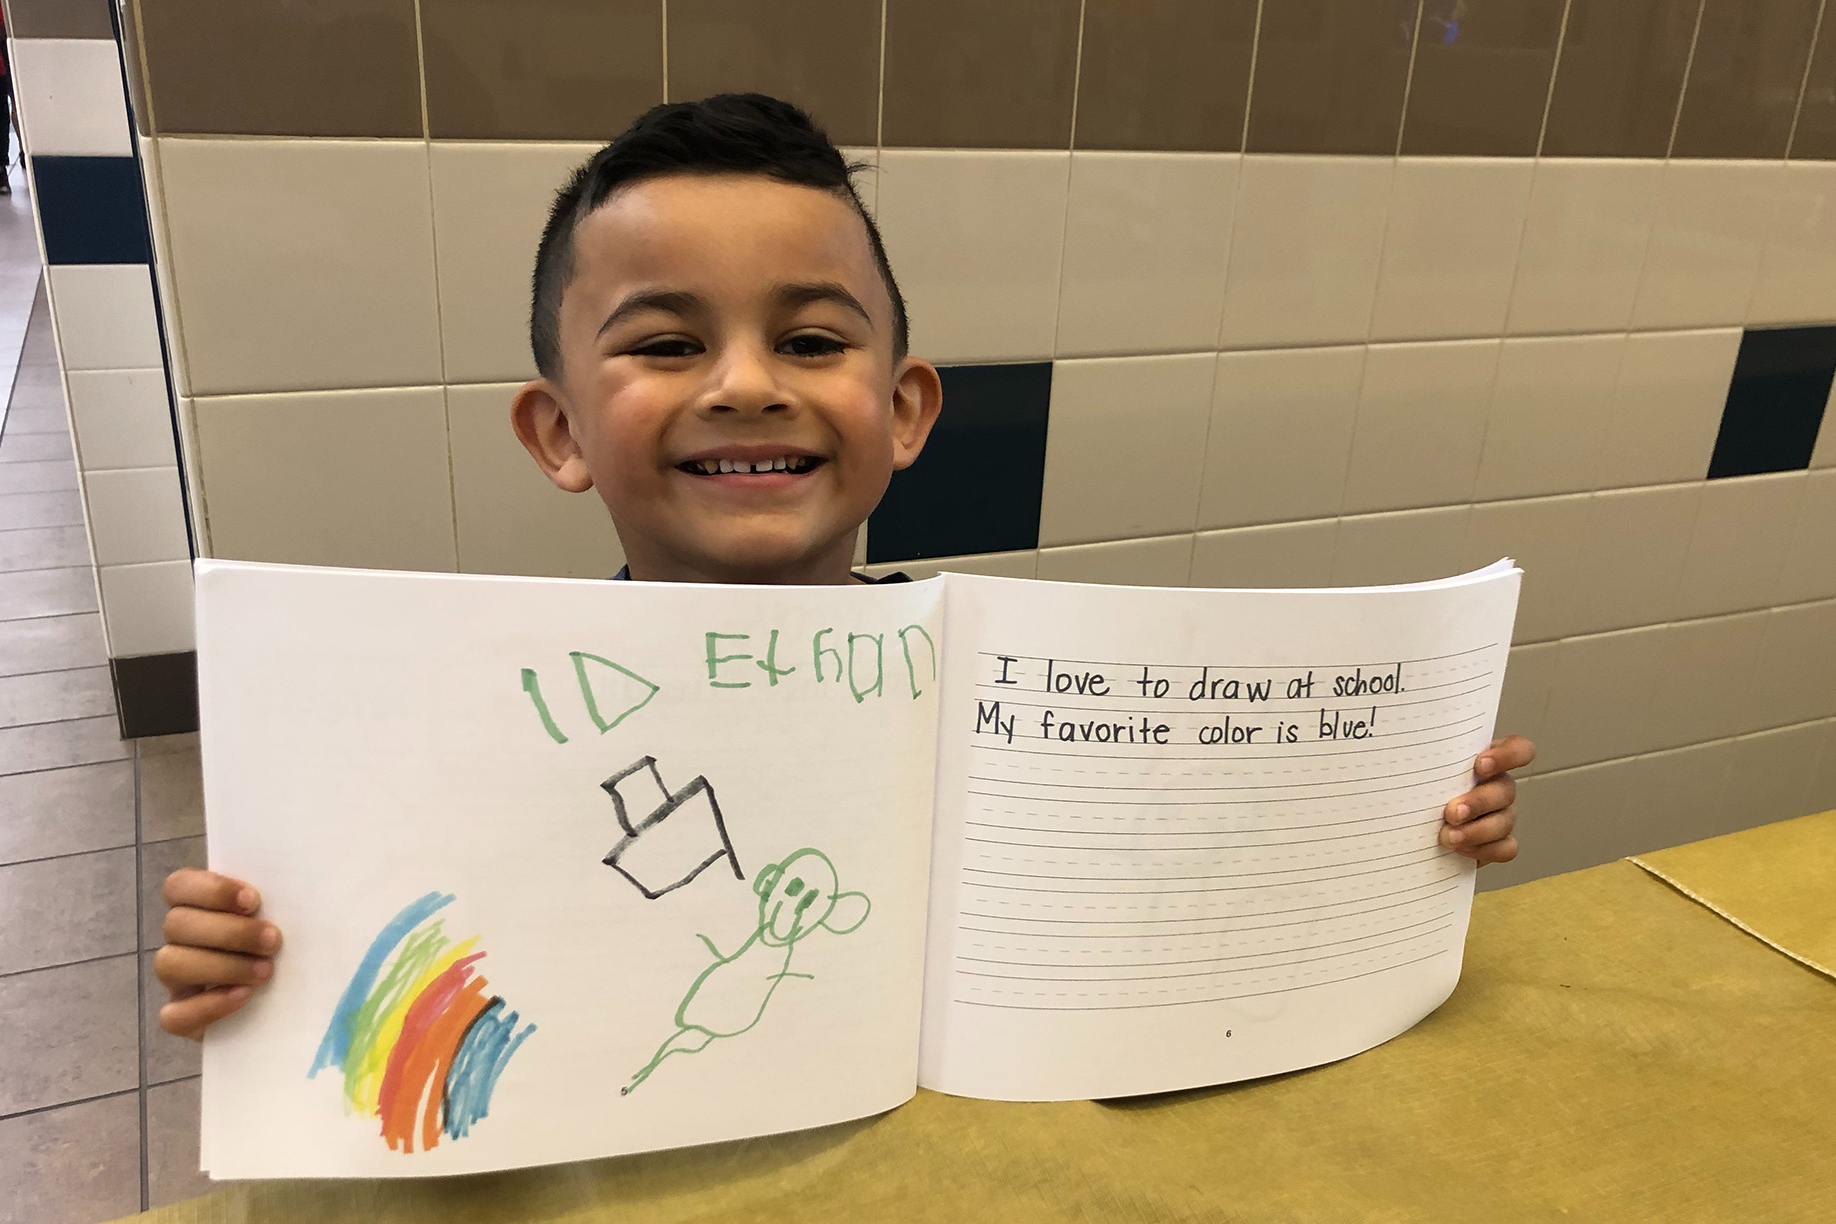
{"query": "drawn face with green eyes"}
pixel 798 895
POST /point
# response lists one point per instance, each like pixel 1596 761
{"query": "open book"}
pixel 571 869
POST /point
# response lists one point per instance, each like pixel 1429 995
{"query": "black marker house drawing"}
pixel 681 836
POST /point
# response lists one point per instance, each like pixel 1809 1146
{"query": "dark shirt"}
pixel 624 575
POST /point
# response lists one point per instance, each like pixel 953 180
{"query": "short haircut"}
pixel 726 134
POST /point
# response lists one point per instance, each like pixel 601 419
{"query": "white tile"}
pixel 1146 238
pixel 1742 535
pixel 1021 564
pixel 104 316
pixel 1601 700
pixel 1584 244
pixel 1162 562
pixel 1421 424
pixel 975 239
pixel 1809 571
pixel 136 515
pixel 1630 567
pixel 1667 406
pixel 1550 406
pixel 1774 772
pixel 1824 455
pixel 1704 256
pixel 1704 687
pixel 147 609
pixel 1407 546
pixel 1281 434
pixel 1543 535
pixel 69 98
pixel 1797 282
pixel 121 418
pixel 490 202
pixel 1450 249
pixel 1124 447
pixel 1305 250
pixel 1278 555
pixel 301 264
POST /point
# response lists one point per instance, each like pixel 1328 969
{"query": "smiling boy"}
pixel 722 351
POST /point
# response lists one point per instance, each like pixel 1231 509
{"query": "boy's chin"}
pixel 775 558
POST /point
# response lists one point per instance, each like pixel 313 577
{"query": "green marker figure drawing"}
pixel 797 897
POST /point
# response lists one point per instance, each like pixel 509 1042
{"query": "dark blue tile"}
pixel 976 487
pixel 1775 403
pixel 93 209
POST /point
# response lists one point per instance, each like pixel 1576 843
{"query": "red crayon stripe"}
pixel 431 1031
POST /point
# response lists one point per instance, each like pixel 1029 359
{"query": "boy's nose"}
pixel 744 383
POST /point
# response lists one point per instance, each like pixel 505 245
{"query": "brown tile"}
pixel 35 447
pixel 1330 76
pixel 79 741
pixel 43 548
pixel 62 910
pixel 1164 74
pixel 168 1057
pixel 71 1032
pixel 47 592
pixel 46 418
pixel 38 477
pixel 172 1144
pixel 51 643
pixel 541 70
pixel 66 811
pixel 331 68
pixel 1815 134
pixel 823 55
pixel 42 697
pixel 74 1164
pixel 1744 78
pixel 1619 78
pixel 1481 77
pixel 59 19
pixel 157 861
pixel 969 74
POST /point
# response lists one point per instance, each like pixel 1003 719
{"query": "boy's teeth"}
pixel 783 463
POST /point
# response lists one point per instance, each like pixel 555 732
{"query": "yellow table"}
pixel 1614 1052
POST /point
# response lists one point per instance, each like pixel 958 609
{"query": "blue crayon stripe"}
pixel 336 1044
pixel 483 1054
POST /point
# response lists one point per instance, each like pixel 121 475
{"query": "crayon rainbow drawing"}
pixel 419 1041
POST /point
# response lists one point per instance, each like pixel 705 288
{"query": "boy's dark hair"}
pixel 726 134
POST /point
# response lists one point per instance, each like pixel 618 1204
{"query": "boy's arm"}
pixel 216 949
pixel 1481 824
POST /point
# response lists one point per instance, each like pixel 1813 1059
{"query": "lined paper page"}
pixel 1187 837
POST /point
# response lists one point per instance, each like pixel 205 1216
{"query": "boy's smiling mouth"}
pixel 796 465
pixel 753 466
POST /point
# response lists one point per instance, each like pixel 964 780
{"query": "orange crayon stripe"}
pixel 431 1032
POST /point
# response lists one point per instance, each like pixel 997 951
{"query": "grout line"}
pixel 1249 90
pixel 39 1109
pixel 665 41
pixel 1797 110
pixel 1555 68
pixel 1689 64
pixel 20 773
pixel 51 858
pixel 1415 43
pixel 140 972
pixel 879 114
pixel 82 960
pixel 1077 72
pixel 420 67
pixel 1064 218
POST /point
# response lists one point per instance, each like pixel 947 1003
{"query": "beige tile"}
pixel 72 1165
pixel 1797 282
pixel 1543 535
pixel 1704 691
pixel 1529 676
pixel 1282 555
pixel 1809 571
pixel 1125 447
pixel 122 418
pixel 171 795
pixel 149 608
pixel 1281 434
pixel 1421 425
pixel 1704 256
pixel 964 74
pixel 1822 796
pixel 510 519
pixel 106 319
pixel 1772 774
pixel 167 1057
pixel 1603 697
pixel 61 910
pixel 1823 456
pixel 159 859
pixel 1161 562
pixel 1408 546
pixel 976 239
pixel 41 697
pixel 302 263
pixel 1450 249
pixel 77 741
pixel 71 1034
pixel 172 1144
pixel 1630 570
pixel 1737 551
pixel 66 811
pixel 136 516
pixel 51 643
pixel 268 460
pixel 1549 411
pixel 490 202
pixel 1584 244
pixel 1146 239
pixel 1794 676
pixel 1667 406
pixel 47 592
pixel 1023 564
pixel 31 548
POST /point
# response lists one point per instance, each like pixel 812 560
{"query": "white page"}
pixel 370 739
pixel 1152 912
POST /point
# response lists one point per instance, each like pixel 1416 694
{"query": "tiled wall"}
pixel 93 227
pixel 1226 292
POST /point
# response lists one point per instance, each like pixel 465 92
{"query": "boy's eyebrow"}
pixel 822 291
pixel 669 301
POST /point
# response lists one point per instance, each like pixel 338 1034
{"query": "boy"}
pixel 722 355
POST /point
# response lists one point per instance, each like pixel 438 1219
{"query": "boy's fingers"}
pixel 199 928
pixel 1506 754
pixel 208 890
pixel 190 1016
pixel 1469 837
pixel 180 967
pixel 1487 797
pixel 1501 851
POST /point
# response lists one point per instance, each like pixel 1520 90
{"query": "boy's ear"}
pixel 917 399
pixel 540 420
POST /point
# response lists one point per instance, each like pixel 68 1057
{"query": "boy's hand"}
pixel 216 950
pixel 1479 823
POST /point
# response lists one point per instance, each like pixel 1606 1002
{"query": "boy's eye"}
pixel 673 347
pixel 813 344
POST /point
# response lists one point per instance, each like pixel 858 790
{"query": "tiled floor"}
pixel 98 1108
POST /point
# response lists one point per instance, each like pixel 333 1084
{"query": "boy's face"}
pixel 728 381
